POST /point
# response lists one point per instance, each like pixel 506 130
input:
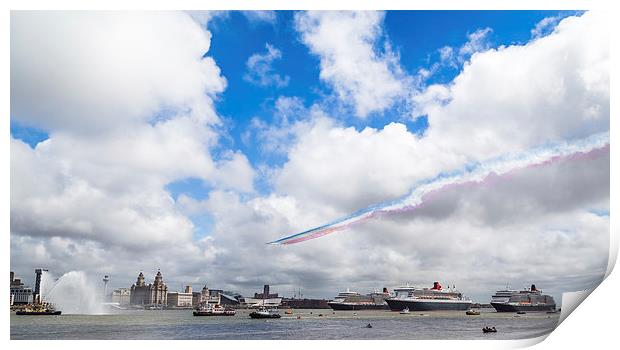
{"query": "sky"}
pixel 185 141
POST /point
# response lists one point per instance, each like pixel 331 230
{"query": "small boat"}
pixel 265 313
pixel 38 313
pixel 521 312
pixel 215 310
pixel 489 330
pixel 288 312
pixel 404 311
pixel 471 312
pixel 39 310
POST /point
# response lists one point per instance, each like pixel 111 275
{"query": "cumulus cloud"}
pixel 455 57
pixel 545 26
pixel 289 116
pixel 557 88
pixel 261 71
pixel 486 111
pixel 476 41
pixel 481 234
pixel 369 79
pixel 127 100
pixel 91 80
pixel 261 16
pixel 66 209
pixel 253 16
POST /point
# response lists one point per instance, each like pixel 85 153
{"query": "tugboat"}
pixel 215 310
pixel 45 309
pixel 265 313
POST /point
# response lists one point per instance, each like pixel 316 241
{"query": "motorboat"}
pixel 265 313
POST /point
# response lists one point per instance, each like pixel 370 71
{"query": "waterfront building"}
pixel 181 299
pixel 206 296
pixel 37 285
pixel 122 296
pixel 105 280
pixel 264 299
pixel 228 300
pixel 20 294
pixel 199 297
pixel 154 294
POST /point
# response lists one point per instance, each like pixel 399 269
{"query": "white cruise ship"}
pixel 428 299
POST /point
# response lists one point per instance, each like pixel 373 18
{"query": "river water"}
pixel 312 324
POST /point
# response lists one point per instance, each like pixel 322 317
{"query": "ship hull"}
pixel 207 313
pixel 38 313
pixel 502 307
pixel 351 307
pixel 259 315
pixel 421 305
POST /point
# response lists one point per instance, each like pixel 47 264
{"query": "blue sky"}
pixel 415 35
pixel 377 102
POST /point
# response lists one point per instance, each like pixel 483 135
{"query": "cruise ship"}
pixel 355 301
pixel 428 299
pixel 521 301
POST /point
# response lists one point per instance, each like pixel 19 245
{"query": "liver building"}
pixel 149 295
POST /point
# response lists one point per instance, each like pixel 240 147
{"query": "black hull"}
pixel 253 315
pixel 198 313
pixel 499 307
pixel 38 313
pixel 398 305
pixel 352 307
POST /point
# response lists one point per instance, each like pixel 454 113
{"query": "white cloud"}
pixel 556 88
pixel 289 117
pixel 545 26
pixel 258 16
pixel 515 97
pixel 369 79
pixel 486 111
pixel 464 236
pixel 93 80
pixel 260 69
pixel 454 58
pixel 127 99
pixel 235 172
pixel 476 41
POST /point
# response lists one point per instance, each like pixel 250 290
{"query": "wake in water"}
pixel 475 174
pixel 72 293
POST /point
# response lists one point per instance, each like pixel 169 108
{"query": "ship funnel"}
pixel 385 290
pixel 533 288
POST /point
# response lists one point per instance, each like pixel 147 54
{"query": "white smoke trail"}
pixel 473 173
